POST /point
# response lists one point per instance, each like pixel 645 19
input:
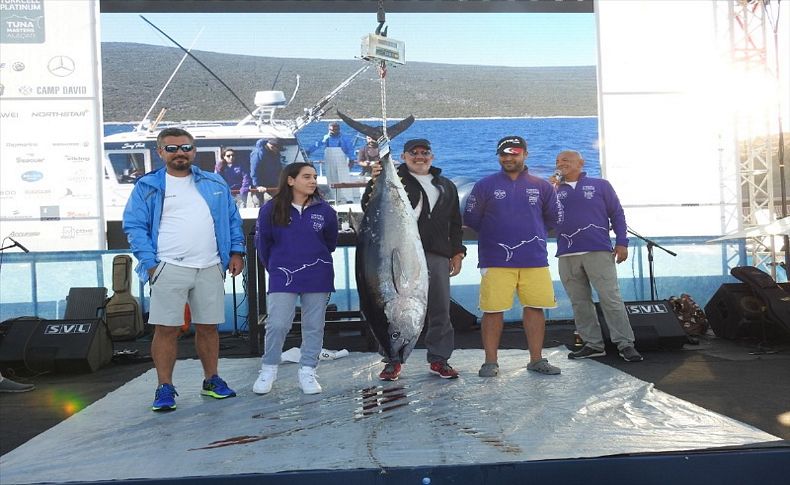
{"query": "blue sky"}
pixel 498 39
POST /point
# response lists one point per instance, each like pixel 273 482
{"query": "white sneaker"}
pixel 307 380
pixel 266 377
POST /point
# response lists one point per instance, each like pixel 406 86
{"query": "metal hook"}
pixel 381 18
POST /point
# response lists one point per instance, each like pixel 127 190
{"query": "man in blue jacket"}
pixel 586 257
pixel 265 167
pixel 511 210
pixel 332 139
pixel 184 228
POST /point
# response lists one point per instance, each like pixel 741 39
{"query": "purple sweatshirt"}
pixel 236 177
pixel 590 209
pixel 511 218
pixel 298 256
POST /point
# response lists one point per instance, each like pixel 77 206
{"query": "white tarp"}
pixel 361 422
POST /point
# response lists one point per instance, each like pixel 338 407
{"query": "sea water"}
pixel 466 147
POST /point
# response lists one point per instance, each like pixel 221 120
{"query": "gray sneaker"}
pixel 488 370
pixel 586 352
pixel 7 385
pixel 629 354
pixel 542 366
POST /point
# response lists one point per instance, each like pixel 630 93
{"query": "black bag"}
pixel 124 318
pixel 691 316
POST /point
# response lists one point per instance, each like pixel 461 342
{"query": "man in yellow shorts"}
pixel 511 210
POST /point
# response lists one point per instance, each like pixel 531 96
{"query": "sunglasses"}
pixel 174 148
pixel 424 153
pixel 228 155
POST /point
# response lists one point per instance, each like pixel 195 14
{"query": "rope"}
pixel 383 83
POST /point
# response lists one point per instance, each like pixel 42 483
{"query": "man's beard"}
pixel 179 164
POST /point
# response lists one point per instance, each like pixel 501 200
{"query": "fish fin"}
pixel 399 127
pixel 397 270
pixel 371 131
pixel 376 132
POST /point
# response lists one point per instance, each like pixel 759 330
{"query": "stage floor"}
pixel 590 410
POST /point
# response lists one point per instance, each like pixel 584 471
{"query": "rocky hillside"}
pixel 133 74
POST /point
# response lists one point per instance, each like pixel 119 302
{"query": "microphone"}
pixel 18 244
pixel 558 175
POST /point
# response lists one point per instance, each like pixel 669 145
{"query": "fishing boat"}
pixel 129 155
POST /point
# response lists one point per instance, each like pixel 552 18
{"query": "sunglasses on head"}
pixel 186 147
pixel 424 153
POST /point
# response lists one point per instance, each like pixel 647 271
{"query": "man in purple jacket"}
pixel 510 210
pixel 586 257
pixel 236 176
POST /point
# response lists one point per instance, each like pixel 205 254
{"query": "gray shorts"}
pixel 173 286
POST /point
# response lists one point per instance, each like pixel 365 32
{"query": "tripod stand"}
pixel 650 246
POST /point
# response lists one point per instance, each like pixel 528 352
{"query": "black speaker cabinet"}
pixel 735 312
pixel 86 302
pixel 66 346
pixel 655 325
pixel 461 318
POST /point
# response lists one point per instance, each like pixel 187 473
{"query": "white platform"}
pixel 360 422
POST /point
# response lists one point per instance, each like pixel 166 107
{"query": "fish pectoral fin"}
pixel 398 276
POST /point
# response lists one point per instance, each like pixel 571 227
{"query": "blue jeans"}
pixel 282 308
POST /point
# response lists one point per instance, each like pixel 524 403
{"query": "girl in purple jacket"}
pixel 296 234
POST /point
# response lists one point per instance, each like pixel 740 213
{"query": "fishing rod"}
pixel 317 110
pixel 164 88
pixel 199 62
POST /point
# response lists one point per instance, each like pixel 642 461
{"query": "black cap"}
pixel 417 142
pixel 512 144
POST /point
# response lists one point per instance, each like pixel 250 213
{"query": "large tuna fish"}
pixel 392 276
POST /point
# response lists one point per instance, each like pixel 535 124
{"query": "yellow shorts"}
pixel 533 285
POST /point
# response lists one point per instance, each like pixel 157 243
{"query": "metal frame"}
pixel 749 54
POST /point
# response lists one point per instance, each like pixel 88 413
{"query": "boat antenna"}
pixel 199 62
pixel 274 83
pixel 153 105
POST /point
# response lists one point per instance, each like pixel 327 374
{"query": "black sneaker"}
pixel 586 352
pixel 629 354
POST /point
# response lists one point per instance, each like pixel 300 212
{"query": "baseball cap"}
pixel 417 142
pixel 512 144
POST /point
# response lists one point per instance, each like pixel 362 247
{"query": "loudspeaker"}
pixel 66 346
pixel 655 325
pixel 85 303
pixel 460 317
pixel 735 312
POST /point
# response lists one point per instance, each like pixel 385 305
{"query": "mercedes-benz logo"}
pixel 61 66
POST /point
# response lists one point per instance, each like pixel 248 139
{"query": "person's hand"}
pixel 236 264
pixel 261 190
pixel 554 180
pixel 620 254
pixel 375 169
pixel 151 272
pixel 455 264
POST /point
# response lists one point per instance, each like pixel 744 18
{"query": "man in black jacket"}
pixel 435 202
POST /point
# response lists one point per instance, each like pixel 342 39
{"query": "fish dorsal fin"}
pixel 398 278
